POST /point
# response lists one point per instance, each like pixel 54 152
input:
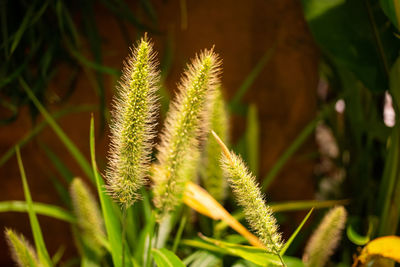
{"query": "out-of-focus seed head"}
pixel 325 239
pixel 21 251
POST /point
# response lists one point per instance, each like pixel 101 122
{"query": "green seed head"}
pixel 133 121
pixel 211 173
pixel 185 123
pixel 249 196
pixel 22 252
pixel 87 212
pixel 325 239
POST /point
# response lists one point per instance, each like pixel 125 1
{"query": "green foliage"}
pixel 165 258
pixel 40 36
pixel 143 235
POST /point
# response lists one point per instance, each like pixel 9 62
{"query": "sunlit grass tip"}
pixel 186 122
pixel 326 237
pixel 211 172
pixel 22 251
pixel 87 212
pixel 247 193
pixel 132 125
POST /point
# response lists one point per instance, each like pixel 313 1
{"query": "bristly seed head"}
pixel 87 212
pixel 249 196
pixel 21 251
pixel 133 122
pixel 185 123
pixel 325 239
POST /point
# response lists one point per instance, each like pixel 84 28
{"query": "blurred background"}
pixel 311 88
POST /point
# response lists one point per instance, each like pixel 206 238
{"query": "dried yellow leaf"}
pixel 386 247
pixel 201 201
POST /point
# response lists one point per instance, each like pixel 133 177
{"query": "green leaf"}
pixel 293 236
pixel 355 238
pixel 354 37
pixel 39 208
pixel 165 258
pixel 203 258
pixel 256 255
pixel 392 11
pixel 78 156
pixel 36 231
pixel 111 221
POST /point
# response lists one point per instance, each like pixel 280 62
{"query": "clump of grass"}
pixel 87 212
pixel 185 123
pixel 325 239
pixel 22 251
pixel 212 173
pixel 248 195
pixel 133 121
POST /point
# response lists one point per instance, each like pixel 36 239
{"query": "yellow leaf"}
pixel 387 247
pixel 201 201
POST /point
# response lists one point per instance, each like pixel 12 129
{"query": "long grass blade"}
pixel 40 126
pixel 110 219
pixel 39 208
pixel 293 236
pixel 36 231
pixel 78 156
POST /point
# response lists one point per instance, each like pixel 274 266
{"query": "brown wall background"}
pixel 242 31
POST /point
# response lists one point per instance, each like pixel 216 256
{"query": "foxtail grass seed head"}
pixel 87 212
pixel 21 251
pixel 186 121
pixel 133 121
pixel 212 173
pixel 249 196
pixel 325 239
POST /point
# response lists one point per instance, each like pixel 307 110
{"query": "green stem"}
pixel 123 234
pixel 281 259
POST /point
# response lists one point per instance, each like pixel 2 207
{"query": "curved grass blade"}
pixel 290 206
pixel 39 208
pixel 81 160
pixel 40 126
pixel 36 231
